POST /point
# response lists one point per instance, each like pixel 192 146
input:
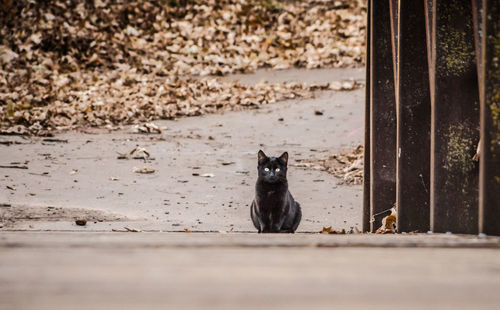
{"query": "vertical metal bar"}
pixel 393 5
pixel 477 11
pixel 489 211
pixel 366 165
pixel 413 121
pixel 455 119
pixel 382 113
pixel 429 36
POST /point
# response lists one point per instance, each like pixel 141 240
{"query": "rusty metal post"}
pixel 489 201
pixel 455 119
pixel 477 12
pixel 382 113
pixel 393 8
pixel 366 164
pixel 429 36
pixel 413 121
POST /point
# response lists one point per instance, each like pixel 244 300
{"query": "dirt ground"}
pixel 205 167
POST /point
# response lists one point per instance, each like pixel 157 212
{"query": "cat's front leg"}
pixel 264 227
pixel 271 228
pixel 265 221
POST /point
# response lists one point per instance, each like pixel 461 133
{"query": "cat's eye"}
pixel 266 169
pixel 277 169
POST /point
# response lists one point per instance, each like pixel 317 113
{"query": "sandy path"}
pixel 77 174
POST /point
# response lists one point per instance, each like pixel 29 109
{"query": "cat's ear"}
pixel 261 156
pixel 284 157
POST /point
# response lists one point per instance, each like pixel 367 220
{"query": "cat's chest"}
pixel 271 198
pixel 270 193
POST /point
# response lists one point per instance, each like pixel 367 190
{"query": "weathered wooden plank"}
pixel 489 202
pixel 366 164
pixel 477 12
pixel 413 119
pixel 455 119
pixel 428 27
pixel 382 113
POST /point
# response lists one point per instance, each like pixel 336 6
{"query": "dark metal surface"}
pixel 455 119
pixel 489 217
pixel 382 114
pixel 366 164
pixel 413 125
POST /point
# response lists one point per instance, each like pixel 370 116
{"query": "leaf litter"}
pixel 329 230
pixel 389 223
pixel 347 165
pixel 147 128
pixel 69 64
pixel 136 153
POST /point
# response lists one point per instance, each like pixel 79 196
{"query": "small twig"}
pixel 43 174
pixel 14 167
pixel 423 183
pixel 9 142
pixel 55 140
pixel 381 212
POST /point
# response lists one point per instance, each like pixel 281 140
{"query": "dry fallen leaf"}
pixel 140 153
pixel 388 223
pixel 144 170
pixel 146 128
pixel 207 175
pixel 326 230
pixel 130 229
pixel 187 230
pixel 330 230
pixel 344 85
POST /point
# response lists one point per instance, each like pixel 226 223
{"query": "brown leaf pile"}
pixel 347 165
pixel 68 63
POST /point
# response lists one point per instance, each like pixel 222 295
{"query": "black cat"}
pixel 273 210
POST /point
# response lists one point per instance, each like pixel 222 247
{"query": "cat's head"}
pixel 272 169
